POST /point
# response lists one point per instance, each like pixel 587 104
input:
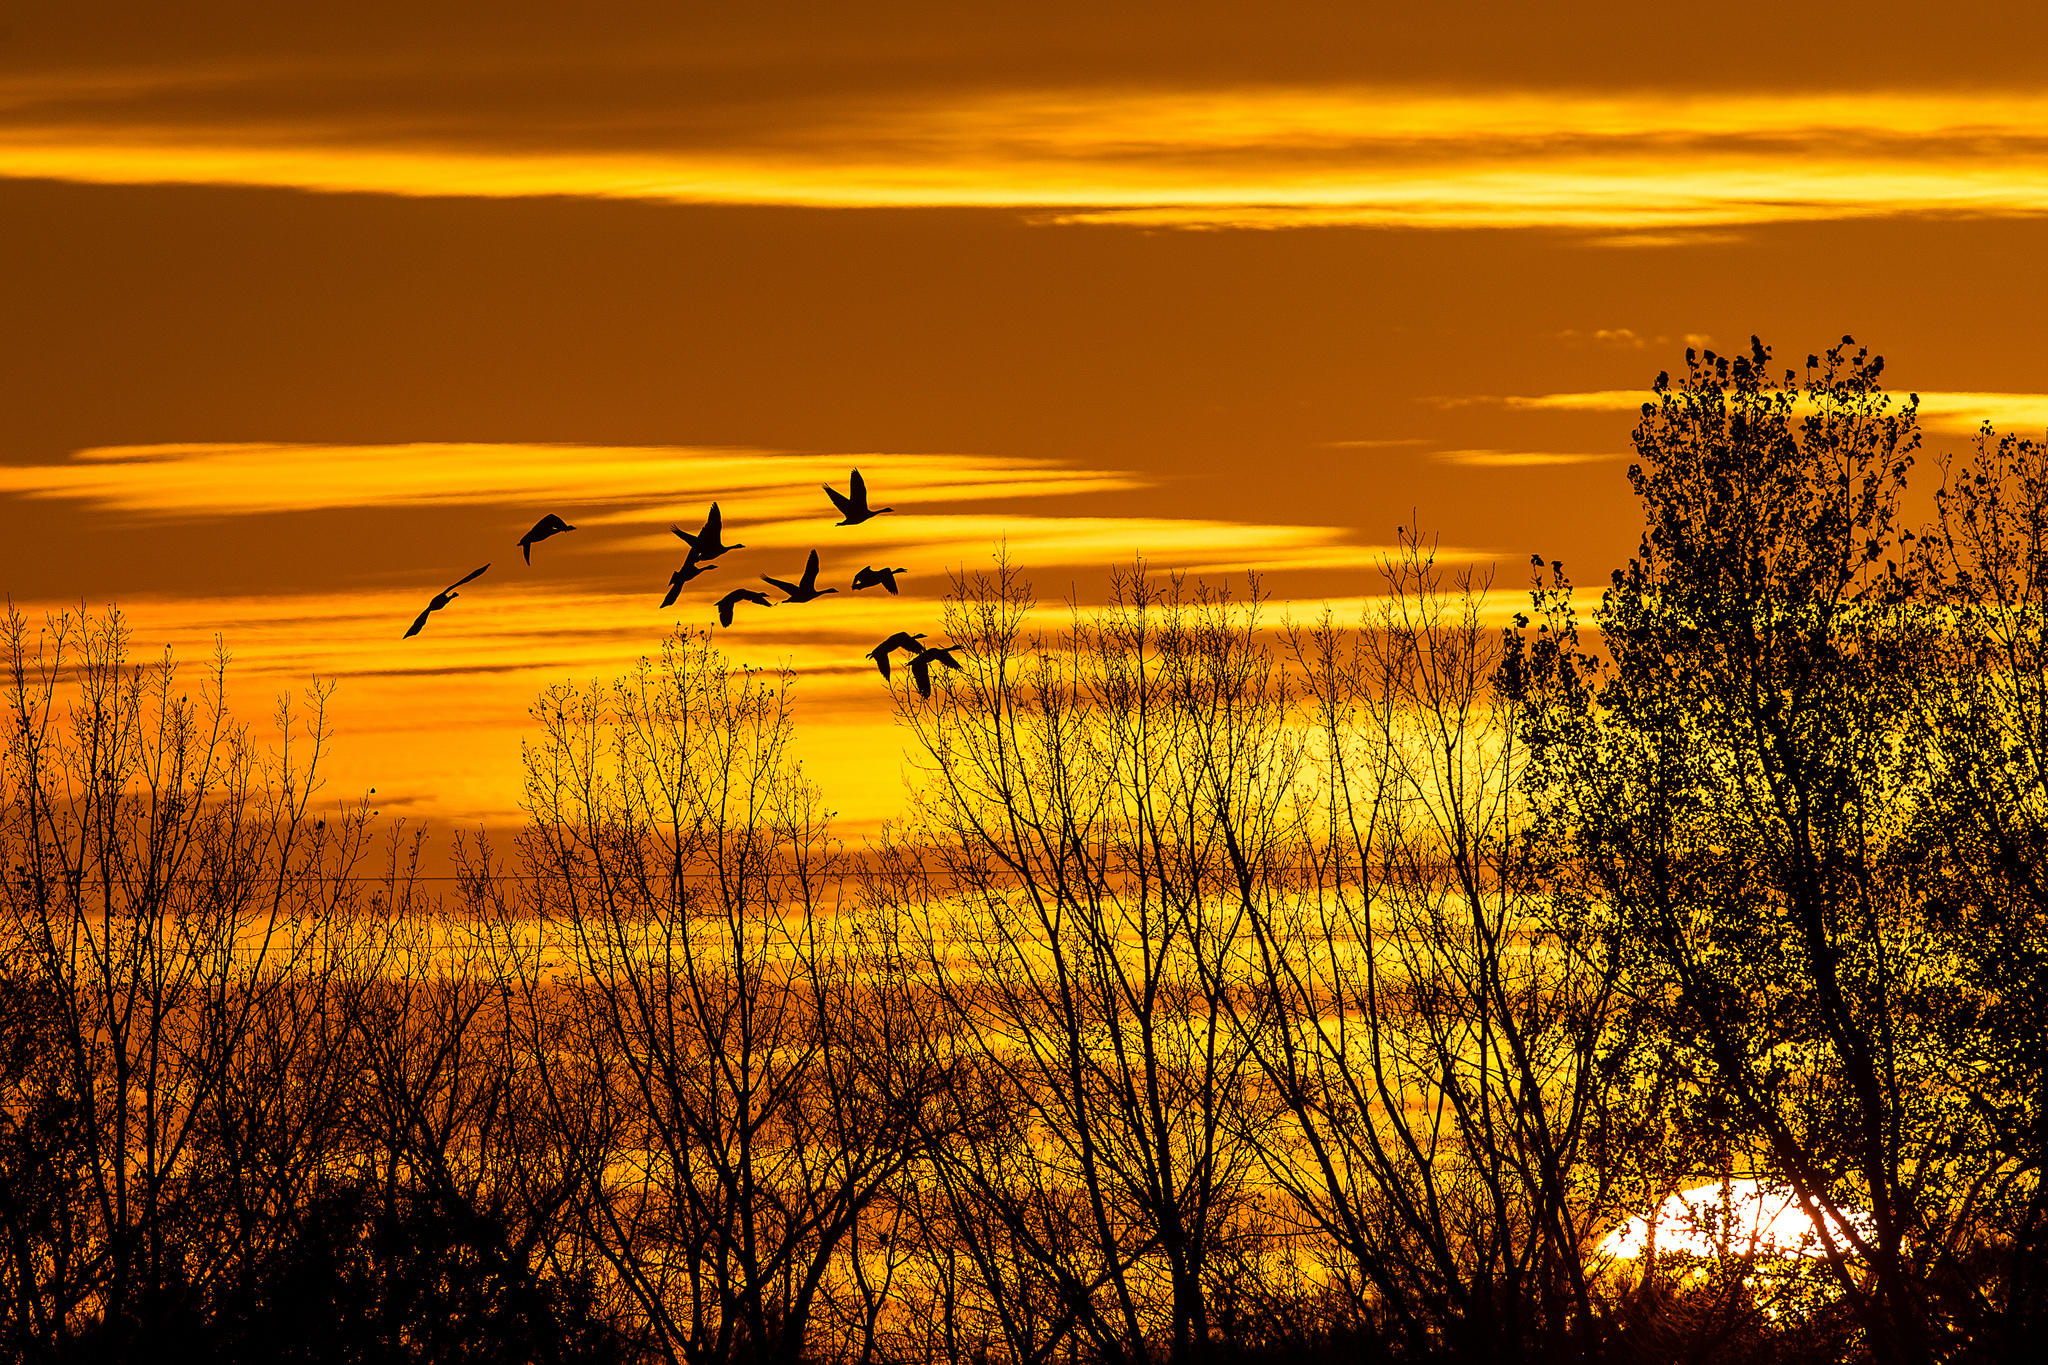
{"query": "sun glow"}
pixel 1741 1218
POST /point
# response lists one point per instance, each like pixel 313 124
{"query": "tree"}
pixel 1982 569
pixel 1093 811
pixel 1740 776
pixel 1445 1055
pixel 166 893
pixel 757 1100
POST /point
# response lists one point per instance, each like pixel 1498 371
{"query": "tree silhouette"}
pixel 1229 991
pixel 1747 776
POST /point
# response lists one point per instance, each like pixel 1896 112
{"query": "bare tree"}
pixel 757 1107
pixel 1072 887
pixel 1434 1045
pixel 166 894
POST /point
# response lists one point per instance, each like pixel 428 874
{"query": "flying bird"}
pixel 441 599
pixel 734 598
pixel 804 590
pixel 900 640
pixel 691 568
pixel 853 504
pixel 921 667
pixel 549 525
pixel 868 578
pixel 707 544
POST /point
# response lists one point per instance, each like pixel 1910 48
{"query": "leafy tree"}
pixel 1983 702
pixel 1742 777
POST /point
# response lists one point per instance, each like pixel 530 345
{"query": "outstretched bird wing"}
pixel 686 537
pixel 713 527
pixel 903 640
pixel 788 589
pixel 811 572
pixel 858 488
pixel 733 599
pixel 839 500
pixel 675 589
pixel 418 622
pixel 887 579
pixel 880 654
pixel 921 673
pixel 473 573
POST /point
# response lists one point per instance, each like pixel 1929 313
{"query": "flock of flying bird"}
pixel 708 544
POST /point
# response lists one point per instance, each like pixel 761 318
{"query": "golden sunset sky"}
pixel 310 309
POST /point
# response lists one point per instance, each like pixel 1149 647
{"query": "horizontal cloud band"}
pixel 1262 157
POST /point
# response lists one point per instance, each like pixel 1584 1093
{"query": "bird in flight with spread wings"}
pixel 692 566
pixel 900 640
pixel 737 596
pixel 805 589
pixel 441 599
pixel 709 543
pixel 549 525
pixel 853 504
pixel 872 578
pixel 921 667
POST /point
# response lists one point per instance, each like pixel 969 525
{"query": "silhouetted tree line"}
pixel 1232 990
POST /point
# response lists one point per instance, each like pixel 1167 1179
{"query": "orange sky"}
pixel 312 309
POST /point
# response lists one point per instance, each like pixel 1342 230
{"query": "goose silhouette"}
pixel 805 589
pixel 900 640
pixel 549 525
pixel 737 596
pixel 441 599
pixel 853 504
pixel 869 578
pixel 709 543
pixel 921 667
pixel 691 568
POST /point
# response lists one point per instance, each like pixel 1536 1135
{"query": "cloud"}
pixel 248 478
pixel 1635 168
pixel 1638 239
pixel 773 500
pixel 1942 412
pixel 1625 337
pixel 1961 413
pixel 1517 459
